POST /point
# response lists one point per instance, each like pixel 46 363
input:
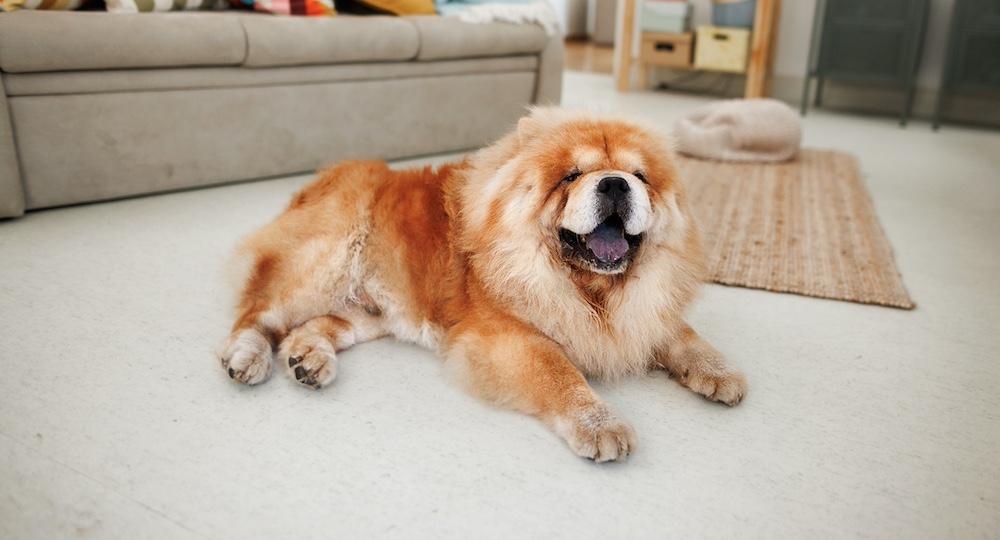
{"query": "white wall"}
pixel 572 16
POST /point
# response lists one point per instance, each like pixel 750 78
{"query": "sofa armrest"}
pixel 11 192
pixel 548 89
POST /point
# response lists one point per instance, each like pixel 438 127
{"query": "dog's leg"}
pixel 300 265
pixel 246 354
pixel 262 322
pixel 507 362
pixel 285 291
pixel 700 367
pixel 310 350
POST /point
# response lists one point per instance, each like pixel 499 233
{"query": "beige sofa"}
pixel 99 106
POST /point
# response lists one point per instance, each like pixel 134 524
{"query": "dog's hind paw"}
pixel 246 357
pixel 310 358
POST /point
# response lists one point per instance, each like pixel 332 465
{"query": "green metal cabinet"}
pixel 972 63
pixel 866 41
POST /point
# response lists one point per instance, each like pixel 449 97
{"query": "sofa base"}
pixel 88 147
pixel 11 192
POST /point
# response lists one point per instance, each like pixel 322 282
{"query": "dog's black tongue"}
pixel 607 242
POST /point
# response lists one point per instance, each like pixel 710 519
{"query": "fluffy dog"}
pixel 564 250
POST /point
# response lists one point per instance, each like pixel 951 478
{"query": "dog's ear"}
pixel 537 120
pixel 527 128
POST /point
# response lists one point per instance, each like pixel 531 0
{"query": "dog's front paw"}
pixel 310 358
pixel 246 357
pixel 595 432
pixel 725 386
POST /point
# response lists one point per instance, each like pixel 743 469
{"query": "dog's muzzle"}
pixel 613 198
pixel 603 242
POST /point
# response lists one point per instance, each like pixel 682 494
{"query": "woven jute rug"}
pixel 806 227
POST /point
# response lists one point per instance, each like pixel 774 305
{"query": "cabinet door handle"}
pixel 720 37
pixel 665 46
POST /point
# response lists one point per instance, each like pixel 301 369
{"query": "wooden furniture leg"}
pixel 625 45
pixel 764 26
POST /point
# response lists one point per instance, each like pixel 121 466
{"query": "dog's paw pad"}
pixel 596 433
pixel 311 362
pixel 315 370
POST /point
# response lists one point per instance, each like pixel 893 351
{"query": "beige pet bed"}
pixel 740 130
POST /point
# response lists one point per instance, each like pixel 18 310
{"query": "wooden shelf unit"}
pixel 758 65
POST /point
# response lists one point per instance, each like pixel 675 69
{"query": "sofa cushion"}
pixel 448 37
pixel 147 6
pixel 288 41
pixel 62 5
pixel 400 7
pixel 310 8
pixel 64 41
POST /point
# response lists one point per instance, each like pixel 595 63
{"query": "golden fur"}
pixel 468 259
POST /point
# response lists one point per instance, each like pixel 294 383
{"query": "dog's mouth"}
pixel 607 249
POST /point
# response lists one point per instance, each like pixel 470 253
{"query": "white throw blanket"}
pixel 540 13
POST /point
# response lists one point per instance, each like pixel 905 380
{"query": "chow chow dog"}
pixel 564 250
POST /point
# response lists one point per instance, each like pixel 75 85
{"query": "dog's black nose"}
pixel 615 187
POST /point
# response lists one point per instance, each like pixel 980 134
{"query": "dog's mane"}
pixel 535 283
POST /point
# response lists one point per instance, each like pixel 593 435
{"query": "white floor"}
pixel 117 422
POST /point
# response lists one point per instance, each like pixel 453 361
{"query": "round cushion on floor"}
pixel 740 130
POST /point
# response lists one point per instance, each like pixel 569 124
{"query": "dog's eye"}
pixel 640 175
pixel 573 175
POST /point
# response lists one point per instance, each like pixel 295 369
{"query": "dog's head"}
pixel 592 192
pixel 601 204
